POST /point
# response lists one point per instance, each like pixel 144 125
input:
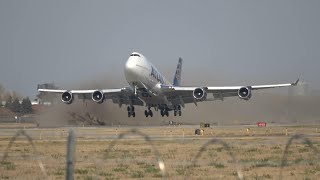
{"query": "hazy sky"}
pixel 222 42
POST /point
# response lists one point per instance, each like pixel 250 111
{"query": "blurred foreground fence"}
pixel 71 146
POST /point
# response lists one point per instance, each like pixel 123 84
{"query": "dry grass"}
pixel 17 125
pixel 259 153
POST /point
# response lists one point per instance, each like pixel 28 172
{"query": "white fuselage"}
pixel 144 76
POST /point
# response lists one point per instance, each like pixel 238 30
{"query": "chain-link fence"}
pixel 189 168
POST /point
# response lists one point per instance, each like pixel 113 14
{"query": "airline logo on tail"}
pixel 177 76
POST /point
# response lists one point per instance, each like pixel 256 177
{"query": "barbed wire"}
pixel 148 140
pixel 71 146
pixel 35 152
pixel 225 147
pixel 289 143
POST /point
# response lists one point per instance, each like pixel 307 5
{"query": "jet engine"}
pixel 97 96
pixel 199 94
pixel 244 93
pixel 67 97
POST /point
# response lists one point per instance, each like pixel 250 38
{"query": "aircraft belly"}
pixel 154 100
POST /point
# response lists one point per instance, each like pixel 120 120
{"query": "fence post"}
pixel 70 155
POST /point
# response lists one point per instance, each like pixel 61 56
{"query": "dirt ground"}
pixel 220 153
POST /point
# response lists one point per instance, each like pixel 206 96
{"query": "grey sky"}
pixel 222 42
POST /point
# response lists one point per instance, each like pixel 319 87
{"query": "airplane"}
pixel 149 88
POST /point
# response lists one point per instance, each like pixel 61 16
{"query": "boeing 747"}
pixel 149 88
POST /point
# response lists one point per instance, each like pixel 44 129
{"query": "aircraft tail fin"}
pixel 177 76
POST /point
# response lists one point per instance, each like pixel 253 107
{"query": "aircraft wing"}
pixel 183 94
pixel 119 96
pixel 82 92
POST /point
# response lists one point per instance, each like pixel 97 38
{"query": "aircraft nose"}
pixel 130 70
pixel 130 64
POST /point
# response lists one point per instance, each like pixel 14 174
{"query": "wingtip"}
pixel 295 83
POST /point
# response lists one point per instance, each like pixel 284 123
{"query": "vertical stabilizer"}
pixel 177 76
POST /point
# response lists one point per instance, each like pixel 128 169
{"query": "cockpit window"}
pixel 135 55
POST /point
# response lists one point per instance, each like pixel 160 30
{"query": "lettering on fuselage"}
pixel 156 75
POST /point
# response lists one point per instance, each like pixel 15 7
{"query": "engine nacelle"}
pixel 200 94
pixel 244 93
pixel 67 97
pixel 97 96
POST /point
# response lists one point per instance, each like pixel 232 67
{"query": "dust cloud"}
pixel 263 106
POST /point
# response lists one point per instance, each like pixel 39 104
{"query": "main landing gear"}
pixel 177 110
pixel 131 112
pixel 148 112
pixel 164 111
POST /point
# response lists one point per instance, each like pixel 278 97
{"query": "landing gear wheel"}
pixel 150 113
pixel 161 112
pixel 180 113
pixel 146 113
pixel 131 112
pixel 175 113
pixel 167 113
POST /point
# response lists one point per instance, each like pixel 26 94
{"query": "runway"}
pixel 182 132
